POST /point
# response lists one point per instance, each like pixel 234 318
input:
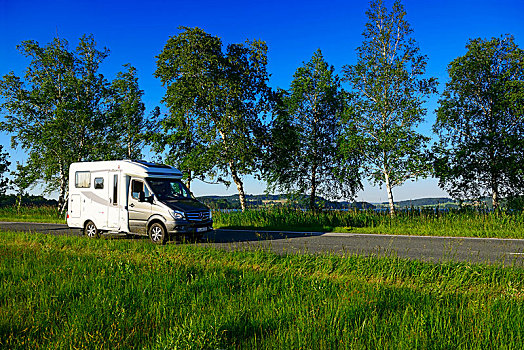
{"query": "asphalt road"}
pixel 433 249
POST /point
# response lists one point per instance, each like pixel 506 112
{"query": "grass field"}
pixel 70 292
pixel 461 223
pixel 31 214
pixel 428 222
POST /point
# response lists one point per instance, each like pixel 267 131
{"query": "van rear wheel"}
pixel 157 233
pixel 90 230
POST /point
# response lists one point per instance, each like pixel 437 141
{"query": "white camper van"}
pixel 134 197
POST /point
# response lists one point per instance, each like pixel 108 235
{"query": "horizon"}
pixel 136 32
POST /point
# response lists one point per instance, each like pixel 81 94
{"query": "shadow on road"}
pixel 217 236
pixel 230 236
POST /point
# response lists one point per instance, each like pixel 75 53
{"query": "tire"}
pixel 157 233
pixel 90 230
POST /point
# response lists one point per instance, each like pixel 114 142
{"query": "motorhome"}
pixel 133 197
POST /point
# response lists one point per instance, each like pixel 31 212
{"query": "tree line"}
pixel 320 137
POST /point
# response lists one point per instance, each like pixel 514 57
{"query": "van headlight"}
pixel 210 215
pixel 177 215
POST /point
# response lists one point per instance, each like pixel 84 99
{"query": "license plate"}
pixel 201 229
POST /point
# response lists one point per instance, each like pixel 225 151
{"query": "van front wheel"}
pixel 91 231
pixel 157 233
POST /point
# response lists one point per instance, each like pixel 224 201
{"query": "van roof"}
pixel 139 168
pixel 152 165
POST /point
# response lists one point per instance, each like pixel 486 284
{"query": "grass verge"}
pixel 46 214
pixel 71 292
pixel 455 223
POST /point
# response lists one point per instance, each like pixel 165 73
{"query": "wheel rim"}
pixel 91 230
pixel 156 233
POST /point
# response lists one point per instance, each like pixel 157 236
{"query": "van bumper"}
pixel 189 228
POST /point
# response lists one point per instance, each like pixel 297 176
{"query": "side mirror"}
pixel 151 198
pixel 141 196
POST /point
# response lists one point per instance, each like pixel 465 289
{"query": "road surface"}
pixel 433 249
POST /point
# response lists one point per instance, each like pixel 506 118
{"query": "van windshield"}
pixel 169 189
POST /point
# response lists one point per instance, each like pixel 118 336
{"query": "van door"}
pixel 139 212
pixel 74 205
pixel 113 210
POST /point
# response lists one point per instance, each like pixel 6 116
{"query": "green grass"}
pixel 31 214
pixel 461 223
pixel 71 292
pixel 428 222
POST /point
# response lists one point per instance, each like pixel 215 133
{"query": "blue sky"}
pixel 136 31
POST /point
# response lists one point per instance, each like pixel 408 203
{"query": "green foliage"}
pixel 23 178
pixel 480 122
pixel 304 156
pixel 60 114
pixel 70 292
pixel 187 67
pixel 128 112
pixel 215 99
pixel 4 167
pixel 515 203
pixel 389 93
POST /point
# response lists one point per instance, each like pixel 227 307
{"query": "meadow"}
pixel 426 222
pixel 31 213
pixel 71 292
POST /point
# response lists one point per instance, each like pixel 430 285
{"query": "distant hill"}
pixel 232 202
pixel 426 202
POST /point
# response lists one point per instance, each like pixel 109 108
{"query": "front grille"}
pixel 198 216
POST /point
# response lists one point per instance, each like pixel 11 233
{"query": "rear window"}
pixel 82 179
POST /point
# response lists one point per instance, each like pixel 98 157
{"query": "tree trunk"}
pixel 240 187
pixel 19 201
pixel 62 194
pixel 390 195
pixel 312 197
pixel 495 197
pixel 494 181
pixel 189 179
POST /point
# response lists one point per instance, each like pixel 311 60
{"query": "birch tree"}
pixel 127 112
pixel 305 156
pixel 389 92
pixel 215 98
pixel 58 113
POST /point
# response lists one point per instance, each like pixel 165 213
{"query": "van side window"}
pixel 82 179
pixel 137 187
pixel 115 189
pixel 99 183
